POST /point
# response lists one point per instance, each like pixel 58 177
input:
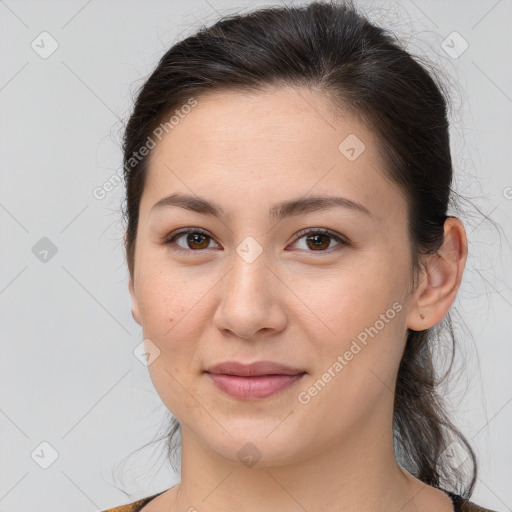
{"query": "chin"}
pixel 258 444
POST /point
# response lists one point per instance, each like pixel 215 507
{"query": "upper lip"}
pixel 253 369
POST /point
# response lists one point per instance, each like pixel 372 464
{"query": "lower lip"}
pixel 253 388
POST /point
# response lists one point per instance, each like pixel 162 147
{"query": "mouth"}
pixel 253 388
pixel 254 381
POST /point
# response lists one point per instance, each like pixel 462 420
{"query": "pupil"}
pixel 193 238
pixel 315 238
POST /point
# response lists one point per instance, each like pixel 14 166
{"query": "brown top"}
pixel 459 504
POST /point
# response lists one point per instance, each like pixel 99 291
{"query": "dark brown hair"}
pixel 333 49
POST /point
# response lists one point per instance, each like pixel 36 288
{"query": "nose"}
pixel 252 299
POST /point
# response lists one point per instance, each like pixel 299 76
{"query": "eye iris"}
pixel 192 239
pixel 315 239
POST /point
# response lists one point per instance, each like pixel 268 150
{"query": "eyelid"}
pixel 341 239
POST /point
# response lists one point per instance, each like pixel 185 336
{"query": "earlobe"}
pixel 135 303
pixel 441 278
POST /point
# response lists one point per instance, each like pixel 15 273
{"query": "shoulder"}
pixel 461 504
pixel 135 506
pixel 469 506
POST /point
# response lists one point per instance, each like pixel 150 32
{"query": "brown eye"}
pixel 319 240
pixel 195 240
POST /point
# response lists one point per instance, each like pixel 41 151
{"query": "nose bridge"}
pixel 250 267
pixel 248 302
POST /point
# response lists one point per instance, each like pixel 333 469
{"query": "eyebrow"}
pixel 278 211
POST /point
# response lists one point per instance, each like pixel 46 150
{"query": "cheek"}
pixel 342 302
pixel 173 325
pixel 173 307
pixel 170 319
pixel 357 314
pixel 180 394
pixel 356 367
pixel 165 298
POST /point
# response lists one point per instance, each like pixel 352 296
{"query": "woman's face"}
pixel 254 288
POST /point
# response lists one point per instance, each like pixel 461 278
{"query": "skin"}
pixel 294 304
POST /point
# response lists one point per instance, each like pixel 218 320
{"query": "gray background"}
pixel 68 373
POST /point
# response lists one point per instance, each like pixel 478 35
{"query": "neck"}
pixel 356 473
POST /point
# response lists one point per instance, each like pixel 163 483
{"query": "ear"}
pixel 135 302
pixel 440 278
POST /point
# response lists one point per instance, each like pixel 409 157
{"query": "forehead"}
pixel 279 120
pixel 280 143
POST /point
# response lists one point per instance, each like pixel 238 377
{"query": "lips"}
pixel 254 369
pixel 254 381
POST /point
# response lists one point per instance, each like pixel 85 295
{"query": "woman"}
pixel 291 264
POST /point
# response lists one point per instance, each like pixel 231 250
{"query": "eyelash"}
pixel 343 242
